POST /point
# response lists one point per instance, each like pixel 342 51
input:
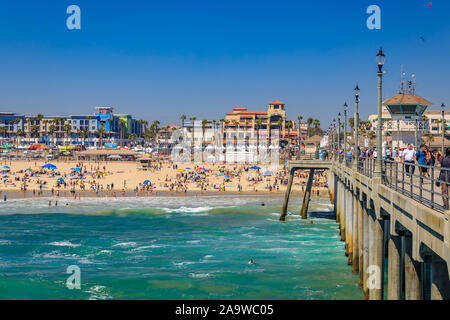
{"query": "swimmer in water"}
pixel 67 204
pixel 252 262
pixel 262 204
pixel 49 203
pixel 310 222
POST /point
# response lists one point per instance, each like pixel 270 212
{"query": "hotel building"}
pixel 274 118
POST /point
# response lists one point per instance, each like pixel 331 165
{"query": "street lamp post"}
pixel 356 125
pixel 345 130
pixel 339 132
pixel 443 128
pixel 334 137
pixel 380 62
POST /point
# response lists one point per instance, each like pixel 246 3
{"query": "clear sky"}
pixel 160 59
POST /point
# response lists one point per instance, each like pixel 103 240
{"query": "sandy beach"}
pixel 124 178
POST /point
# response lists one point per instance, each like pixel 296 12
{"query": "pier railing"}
pixel 424 184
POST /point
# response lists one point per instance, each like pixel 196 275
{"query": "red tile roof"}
pixel 276 102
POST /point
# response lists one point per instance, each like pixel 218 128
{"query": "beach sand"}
pixel 127 179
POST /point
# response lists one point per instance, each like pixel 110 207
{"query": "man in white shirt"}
pixel 409 155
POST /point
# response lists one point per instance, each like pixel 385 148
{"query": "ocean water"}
pixel 172 248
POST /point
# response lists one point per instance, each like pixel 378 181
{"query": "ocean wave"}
pixel 148 247
pixel 125 244
pixel 4 242
pixel 199 275
pixel 99 293
pixel 64 244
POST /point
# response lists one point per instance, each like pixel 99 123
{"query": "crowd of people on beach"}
pixel 99 179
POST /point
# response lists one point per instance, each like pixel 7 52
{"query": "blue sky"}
pixel 160 59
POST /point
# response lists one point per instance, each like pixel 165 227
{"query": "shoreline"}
pixel 66 194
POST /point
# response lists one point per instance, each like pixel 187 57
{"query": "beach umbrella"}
pixel 4 171
pixel 28 169
pixel 6 167
pixel 255 168
pixel 60 180
pixel 267 173
pixel 147 182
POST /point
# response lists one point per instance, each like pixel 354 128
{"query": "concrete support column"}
pixel 307 195
pixel 287 195
pixel 349 227
pixel 376 259
pixel 337 201
pixel 355 239
pixel 394 276
pixel 440 284
pixel 360 242
pixel 342 217
pixel 366 256
pixel 413 289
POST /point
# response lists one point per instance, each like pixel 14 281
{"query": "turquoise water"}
pixel 171 248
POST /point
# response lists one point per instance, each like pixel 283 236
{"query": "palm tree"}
pixel 183 117
pixel 316 124
pixel 192 142
pixel 309 121
pixel 35 130
pixel 214 127
pixel 122 124
pixel 67 129
pixel 204 123
pixel 20 133
pixel 299 118
pixel 52 130
pixel 3 131
pixel 429 138
pixel 258 127
pixel 288 126
pixel 101 133
pixel 236 124
pixel 280 125
pixel 245 134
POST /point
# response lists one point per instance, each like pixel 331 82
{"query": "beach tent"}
pixel 49 166
pixel 267 173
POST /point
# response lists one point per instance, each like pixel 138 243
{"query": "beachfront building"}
pixel 10 124
pixel 69 130
pixel 165 139
pixel 247 122
pixel 404 112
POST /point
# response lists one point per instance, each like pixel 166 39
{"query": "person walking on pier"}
pixel 444 177
pixel 409 155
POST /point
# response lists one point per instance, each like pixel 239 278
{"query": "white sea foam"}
pixel 64 244
pixel 103 205
pixel 4 242
pixel 199 275
pixel 99 293
pixel 148 247
pixel 125 244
